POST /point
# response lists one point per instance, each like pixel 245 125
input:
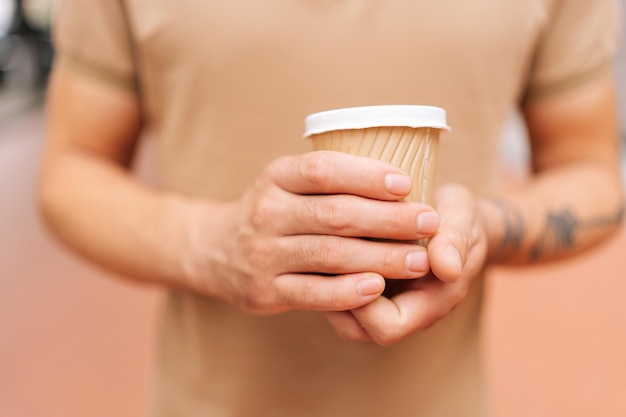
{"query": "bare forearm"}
pixel 556 214
pixel 98 209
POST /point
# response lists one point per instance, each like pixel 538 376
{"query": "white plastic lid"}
pixel 375 116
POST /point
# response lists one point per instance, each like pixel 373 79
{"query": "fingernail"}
pixel 417 261
pixel 398 184
pixel 427 222
pixel 454 257
pixel 370 286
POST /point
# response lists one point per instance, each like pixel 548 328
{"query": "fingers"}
pixel 338 255
pixel 456 254
pixel 327 172
pixel 387 321
pixel 342 215
pixel 448 249
pixel 324 293
pixel 348 215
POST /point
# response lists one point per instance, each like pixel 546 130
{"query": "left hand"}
pixel 457 254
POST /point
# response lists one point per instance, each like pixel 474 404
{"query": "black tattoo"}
pixel 513 228
pixel 558 234
pixel 563 227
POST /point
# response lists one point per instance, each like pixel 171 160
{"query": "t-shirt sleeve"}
pixel 577 45
pixel 94 36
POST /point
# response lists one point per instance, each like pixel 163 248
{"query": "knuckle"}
pixel 304 296
pixel 325 214
pixel 330 213
pixel 314 168
pixel 308 298
pixel 264 213
pixel 390 262
pixel 260 216
pixel 321 255
pixel 330 255
pixel 389 334
pixel 388 338
pixel 307 210
pixel 333 218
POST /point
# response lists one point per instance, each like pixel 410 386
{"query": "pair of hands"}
pixel 295 240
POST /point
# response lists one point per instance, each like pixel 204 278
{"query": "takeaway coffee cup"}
pixel 406 136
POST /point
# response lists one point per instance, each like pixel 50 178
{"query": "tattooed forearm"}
pixel 563 231
pixel 563 227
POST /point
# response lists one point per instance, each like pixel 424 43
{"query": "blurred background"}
pixel 75 341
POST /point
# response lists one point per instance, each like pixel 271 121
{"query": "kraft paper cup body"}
pixel 405 136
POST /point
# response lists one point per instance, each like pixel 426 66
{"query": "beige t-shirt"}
pixel 225 87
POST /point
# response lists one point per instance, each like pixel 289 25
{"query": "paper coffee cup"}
pixel 405 136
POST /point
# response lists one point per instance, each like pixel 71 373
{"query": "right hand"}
pixel 293 240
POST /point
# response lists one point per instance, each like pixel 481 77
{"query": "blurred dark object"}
pixel 25 43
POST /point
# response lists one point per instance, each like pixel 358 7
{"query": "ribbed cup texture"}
pixel 412 150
